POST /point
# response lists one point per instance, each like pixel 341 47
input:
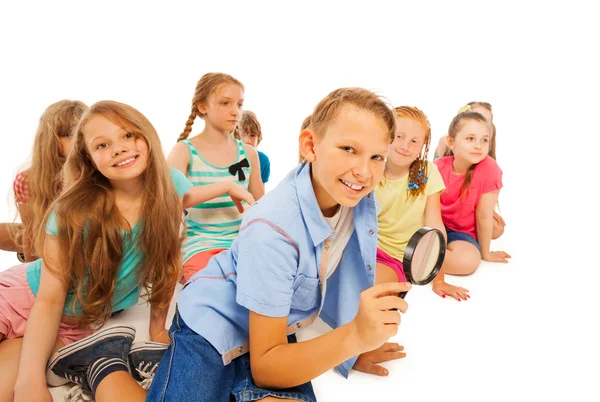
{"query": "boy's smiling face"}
pixel 348 159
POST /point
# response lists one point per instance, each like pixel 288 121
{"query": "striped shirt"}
pixel 214 223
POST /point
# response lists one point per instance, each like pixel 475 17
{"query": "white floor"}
pixel 529 331
pixel 521 336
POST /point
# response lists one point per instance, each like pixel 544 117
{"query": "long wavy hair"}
pixel 90 225
pixel 44 178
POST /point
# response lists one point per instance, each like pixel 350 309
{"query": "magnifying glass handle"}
pixel 402 294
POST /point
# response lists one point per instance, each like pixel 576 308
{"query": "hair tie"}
pixel 465 108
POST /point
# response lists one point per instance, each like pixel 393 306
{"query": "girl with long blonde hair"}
pixel 38 186
pixel 114 232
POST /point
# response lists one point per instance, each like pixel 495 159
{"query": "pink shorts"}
pixel 16 301
pixel 389 261
pixel 197 262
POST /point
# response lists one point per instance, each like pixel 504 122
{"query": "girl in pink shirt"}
pixel 473 181
pixel 484 109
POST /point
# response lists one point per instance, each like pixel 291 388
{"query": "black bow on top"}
pixel 237 168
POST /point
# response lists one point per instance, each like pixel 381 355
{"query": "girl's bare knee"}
pixel 462 258
pixel 497 231
pixel 471 265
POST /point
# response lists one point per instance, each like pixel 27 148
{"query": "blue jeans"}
pixel 192 370
pixel 454 236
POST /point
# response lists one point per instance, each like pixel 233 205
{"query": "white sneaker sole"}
pixel 147 345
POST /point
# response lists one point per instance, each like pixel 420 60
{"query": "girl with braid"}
pixel 473 181
pixel 227 170
pixel 409 197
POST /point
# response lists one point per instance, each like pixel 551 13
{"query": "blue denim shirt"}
pixel 275 268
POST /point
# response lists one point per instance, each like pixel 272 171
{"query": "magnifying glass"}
pixel 423 256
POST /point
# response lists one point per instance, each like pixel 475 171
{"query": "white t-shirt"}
pixel 343 224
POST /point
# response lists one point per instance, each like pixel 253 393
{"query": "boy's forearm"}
pixel 293 364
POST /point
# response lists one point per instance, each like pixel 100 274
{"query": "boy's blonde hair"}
pixel 306 123
pixel 327 109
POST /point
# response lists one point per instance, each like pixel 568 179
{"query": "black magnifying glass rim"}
pixel 410 250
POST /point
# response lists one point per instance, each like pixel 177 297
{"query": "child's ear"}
pixel 307 145
pixel 201 106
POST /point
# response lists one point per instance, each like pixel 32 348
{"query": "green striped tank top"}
pixel 214 223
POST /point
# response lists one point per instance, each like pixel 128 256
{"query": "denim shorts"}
pixel 192 370
pixel 454 236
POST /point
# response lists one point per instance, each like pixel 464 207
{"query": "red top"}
pixel 458 213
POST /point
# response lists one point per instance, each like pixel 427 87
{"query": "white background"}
pixel 530 328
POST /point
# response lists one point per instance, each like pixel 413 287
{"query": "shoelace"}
pixel 147 373
pixel 74 379
pixel 77 394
